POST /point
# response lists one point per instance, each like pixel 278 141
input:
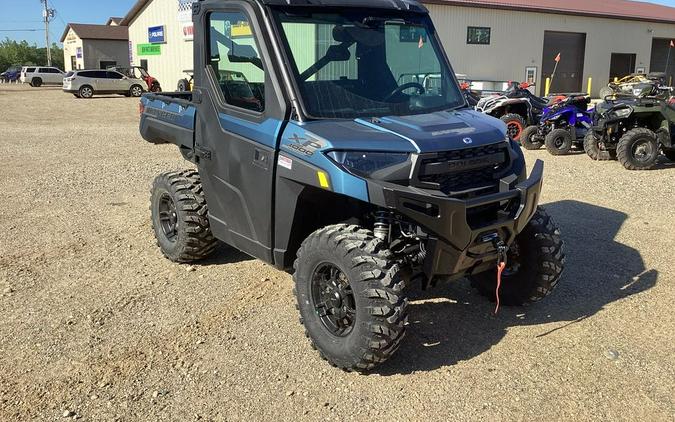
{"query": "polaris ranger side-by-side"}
pixel 311 157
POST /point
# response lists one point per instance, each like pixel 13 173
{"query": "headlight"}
pixel 363 163
pixel 621 112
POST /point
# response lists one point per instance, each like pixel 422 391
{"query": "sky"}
pixel 16 16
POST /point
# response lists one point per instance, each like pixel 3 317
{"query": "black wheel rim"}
pixel 168 218
pixel 643 150
pixel 333 299
pixel 514 129
pixel 559 142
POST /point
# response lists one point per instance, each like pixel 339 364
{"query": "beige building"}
pixel 490 40
pixel 168 53
pixel 95 46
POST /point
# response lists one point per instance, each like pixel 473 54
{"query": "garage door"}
pixel 660 48
pixel 621 65
pixel 571 46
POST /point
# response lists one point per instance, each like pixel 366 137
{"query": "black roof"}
pixel 408 5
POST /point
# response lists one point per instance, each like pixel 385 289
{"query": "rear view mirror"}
pixel 242 51
pixel 244 54
pixel 338 53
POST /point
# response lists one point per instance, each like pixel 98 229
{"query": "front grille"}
pixel 464 172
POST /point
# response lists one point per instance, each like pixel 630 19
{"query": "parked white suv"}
pixel 86 83
pixel 37 76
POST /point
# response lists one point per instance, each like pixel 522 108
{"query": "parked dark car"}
pixel 12 74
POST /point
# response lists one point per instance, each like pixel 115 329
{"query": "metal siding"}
pixel 517 40
pixel 96 51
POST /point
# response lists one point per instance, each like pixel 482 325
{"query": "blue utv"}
pixel 311 157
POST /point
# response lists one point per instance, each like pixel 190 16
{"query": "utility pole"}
pixel 47 14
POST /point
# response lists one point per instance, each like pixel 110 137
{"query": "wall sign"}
pixel 156 34
pixel 78 52
pixel 149 49
pixel 185 19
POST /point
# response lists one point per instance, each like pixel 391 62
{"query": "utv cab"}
pixel 313 156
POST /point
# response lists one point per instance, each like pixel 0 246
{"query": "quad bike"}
pixel 472 97
pixel 137 72
pixel 562 126
pixel 634 128
pixel 626 84
pixel 185 84
pixel 517 107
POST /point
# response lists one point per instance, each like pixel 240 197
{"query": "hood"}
pixel 433 132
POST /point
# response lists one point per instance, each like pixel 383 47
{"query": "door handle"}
pixel 261 159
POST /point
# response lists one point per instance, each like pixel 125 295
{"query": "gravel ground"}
pixel 96 325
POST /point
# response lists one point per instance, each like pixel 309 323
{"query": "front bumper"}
pixel 463 231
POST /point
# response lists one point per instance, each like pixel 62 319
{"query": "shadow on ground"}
pixel 452 323
pixel 224 254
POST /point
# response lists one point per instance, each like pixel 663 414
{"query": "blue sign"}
pixel 156 34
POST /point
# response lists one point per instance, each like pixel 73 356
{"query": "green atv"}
pixel 634 129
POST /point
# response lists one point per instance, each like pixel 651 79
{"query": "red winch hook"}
pixel 501 264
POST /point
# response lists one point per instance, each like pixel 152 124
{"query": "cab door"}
pixel 240 115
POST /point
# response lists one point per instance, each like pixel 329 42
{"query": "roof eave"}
pixel 65 33
pixel 534 9
pixel 140 4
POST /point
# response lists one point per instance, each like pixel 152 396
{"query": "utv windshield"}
pixel 366 64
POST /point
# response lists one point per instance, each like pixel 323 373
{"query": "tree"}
pixel 18 53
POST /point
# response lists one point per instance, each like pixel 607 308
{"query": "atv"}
pixel 561 127
pixel 517 108
pixel 185 84
pixel 634 128
pixel 324 165
pixel 472 97
pixel 626 84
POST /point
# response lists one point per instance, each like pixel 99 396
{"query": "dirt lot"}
pixel 96 325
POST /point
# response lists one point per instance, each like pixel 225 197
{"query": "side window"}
pixel 233 56
pixel 114 75
pixel 30 70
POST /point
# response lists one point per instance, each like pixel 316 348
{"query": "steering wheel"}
pixel 400 89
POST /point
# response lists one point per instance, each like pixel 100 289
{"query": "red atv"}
pixel 138 72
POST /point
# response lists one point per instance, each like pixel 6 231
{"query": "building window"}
pixel 233 56
pixel 478 35
pixel 531 75
pixel 412 34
